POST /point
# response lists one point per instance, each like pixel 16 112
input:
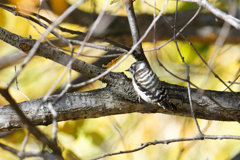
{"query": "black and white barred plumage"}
pixel 148 86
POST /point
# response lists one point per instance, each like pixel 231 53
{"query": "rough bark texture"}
pixel 46 51
pixel 118 97
pixel 104 102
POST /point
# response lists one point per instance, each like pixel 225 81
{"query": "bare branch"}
pixel 105 48
pixel 12 59
pixel 54 123
pixel 25 121
pixel 196 32
pixel 51 53
pixel 118 97
pixel 217 12
pixel 25 140
pixel 134 29
pixel 45 154
pixel 216 76
pixel 187 69
pixel 104 102
pixel 26 14
pixel 144 145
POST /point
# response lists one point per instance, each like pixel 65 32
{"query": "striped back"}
pixel 148 86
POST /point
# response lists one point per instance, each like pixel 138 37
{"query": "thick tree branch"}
pixel 118 97
pixel 117 94
pixel 104 102
pixel 49 52
pixel 55 55
pixel 119 90
pixel 113 79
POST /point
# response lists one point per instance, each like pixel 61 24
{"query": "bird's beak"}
pixel 128 70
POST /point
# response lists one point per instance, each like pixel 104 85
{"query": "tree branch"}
pixel 204 27
pixel 139 55
pixel 144 145
pixel 117 93
pixel 53 54
pixel 45 154
pixel 104 102
pixel 24 121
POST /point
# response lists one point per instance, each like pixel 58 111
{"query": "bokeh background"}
pixel 84 139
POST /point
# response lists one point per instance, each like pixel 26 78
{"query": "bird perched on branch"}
pixel 148 86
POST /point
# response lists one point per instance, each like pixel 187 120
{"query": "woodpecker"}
pixel 148 86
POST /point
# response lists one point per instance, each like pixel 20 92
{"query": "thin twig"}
pixel 235 118
pixel 54 123
pixel 220 14
pixel 23 155
pixel 126 55
pixel 217 12
pixel 216 76
pixel 38 42
pixel 50 28
pixel 220 41
pixel 15 69
pixel 178 33
pixel 95 24
pixel 232 82
pixel 24 143
pixel 36 132
pixel 16 89
pixel 144 145
pixel 105 48
pixel 185 80
pixel 69 77
pixel 25 14
pixel 192 143
pixel 70 41
pixel 208 66
pixel 91 45
pixel 188 77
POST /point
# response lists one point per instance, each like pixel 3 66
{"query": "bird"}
pixel 148 86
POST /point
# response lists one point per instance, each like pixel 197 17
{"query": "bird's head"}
pixel 137 66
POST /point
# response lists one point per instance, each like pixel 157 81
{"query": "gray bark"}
pixel 104 102
pixel 118 97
